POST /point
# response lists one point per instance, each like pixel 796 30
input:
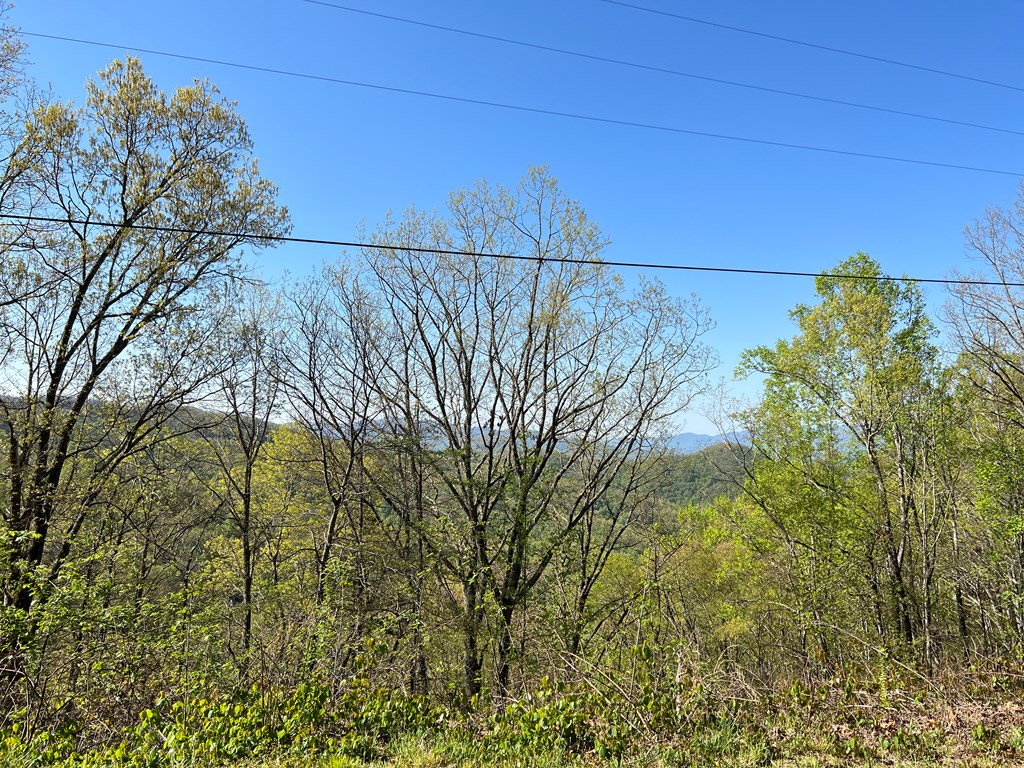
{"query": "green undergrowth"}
pixel 553 727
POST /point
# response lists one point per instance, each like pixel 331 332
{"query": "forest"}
pixel 420 508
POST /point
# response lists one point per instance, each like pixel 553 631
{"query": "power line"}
pixel 830 49
pixel 667 71
pixel 489 255
pixel 536 110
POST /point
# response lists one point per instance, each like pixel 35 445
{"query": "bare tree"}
pixel 247 389
pixel 987 324
pixel 988 320
pixel 525 386
pixel 323 374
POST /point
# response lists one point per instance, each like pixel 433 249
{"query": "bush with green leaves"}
pixel 215 729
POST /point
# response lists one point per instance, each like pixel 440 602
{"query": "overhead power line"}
pixel 806 44
pixel 535 110
pixel 489 255
pixel 667 71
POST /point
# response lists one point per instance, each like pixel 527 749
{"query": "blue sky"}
pixel 345 154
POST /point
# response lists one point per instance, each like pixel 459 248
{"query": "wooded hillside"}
pixel 429 488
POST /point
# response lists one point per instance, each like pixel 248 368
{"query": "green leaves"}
pixel 844 433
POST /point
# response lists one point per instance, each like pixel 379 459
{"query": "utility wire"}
pixel 830 49
pixel 667 71
pixel 535 110
pixel 489 255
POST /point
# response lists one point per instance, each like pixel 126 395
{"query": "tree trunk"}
pixel 473 656
pixel 504 652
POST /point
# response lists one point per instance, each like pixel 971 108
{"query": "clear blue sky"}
pixel 344 154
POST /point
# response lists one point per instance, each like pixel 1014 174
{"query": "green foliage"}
pixel 461 538
pixel 702 477
pixel 664 723
pixel 214 729
pixel 541 722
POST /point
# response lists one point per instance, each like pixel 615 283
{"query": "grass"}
pixel 417 752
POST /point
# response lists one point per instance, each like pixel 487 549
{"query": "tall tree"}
pixel 247 389
pixel 151 196
pixel 526 386
pixel 988 326
pixel 842 443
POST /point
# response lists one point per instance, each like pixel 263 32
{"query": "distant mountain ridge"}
pixel 692 442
